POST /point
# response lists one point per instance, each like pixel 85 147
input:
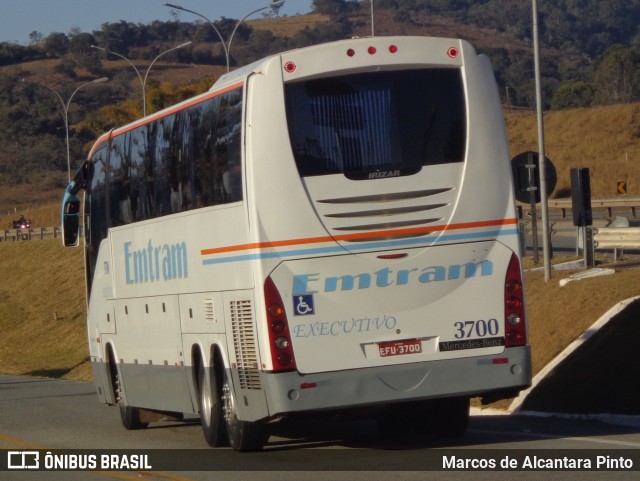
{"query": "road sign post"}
pixel 582 213
pixel 526 179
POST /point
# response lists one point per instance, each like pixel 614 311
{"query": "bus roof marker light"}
pixel 393 48
pixel 453 52
pixel 351 52
pixel 290 67
pixel 372 50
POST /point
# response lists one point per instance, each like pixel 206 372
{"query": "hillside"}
pixel 33 162
pixel 605 139
pixel 42 308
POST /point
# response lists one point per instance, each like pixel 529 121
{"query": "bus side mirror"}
pixel 70 218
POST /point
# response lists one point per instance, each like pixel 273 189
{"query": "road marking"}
pixel 20 443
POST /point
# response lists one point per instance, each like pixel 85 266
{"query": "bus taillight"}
pixel 279 336
pixel 515 324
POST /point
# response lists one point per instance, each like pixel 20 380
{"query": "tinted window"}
pixel 95 210
pixel 182 161
pixel 377 122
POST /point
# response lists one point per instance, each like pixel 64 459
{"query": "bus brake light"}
pixel 514 326
pixel 279 336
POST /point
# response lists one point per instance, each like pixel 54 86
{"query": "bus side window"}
pixel 228 141
pixel 137 195
pixel 95 210
pixel 119 184
pixel 232 181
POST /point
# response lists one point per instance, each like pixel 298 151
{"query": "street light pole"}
pixel 373 21
pixel 143 80
pixel 65 112
pixel 271 5
pixel 546 244
pixel 226 46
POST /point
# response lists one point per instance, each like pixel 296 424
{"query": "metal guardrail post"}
pixel 589 247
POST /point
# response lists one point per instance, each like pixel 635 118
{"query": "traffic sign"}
pixel 622 187
pixel 526 176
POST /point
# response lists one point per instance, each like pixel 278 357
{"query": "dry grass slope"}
pixel 42 308
pixel 605 139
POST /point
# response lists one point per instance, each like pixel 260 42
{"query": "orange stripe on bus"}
pixel 360 236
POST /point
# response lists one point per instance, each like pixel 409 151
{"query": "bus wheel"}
pixel 210 404
pixel 243 435
pixel 129 415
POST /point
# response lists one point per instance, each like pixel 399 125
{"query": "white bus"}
pixel 328 229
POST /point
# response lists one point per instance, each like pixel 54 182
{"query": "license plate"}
pixel 399 348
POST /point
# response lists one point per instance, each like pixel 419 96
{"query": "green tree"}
pixel 56 44
pixel 35 37
pixel 330 7
pixel 616 75
pixel 572 94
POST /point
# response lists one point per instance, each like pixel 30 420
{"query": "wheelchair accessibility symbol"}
pixel 303 305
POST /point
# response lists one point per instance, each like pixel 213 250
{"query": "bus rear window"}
pixel 381 122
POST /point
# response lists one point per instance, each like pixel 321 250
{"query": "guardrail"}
pixel 628 205
pixel 37 233
pixel 616 238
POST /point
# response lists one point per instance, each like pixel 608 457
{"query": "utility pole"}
pixel 544 207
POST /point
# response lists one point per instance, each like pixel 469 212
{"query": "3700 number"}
pixel 480 328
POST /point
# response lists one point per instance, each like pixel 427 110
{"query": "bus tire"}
pixel 210 405
pixel 129 415
pixel 243 435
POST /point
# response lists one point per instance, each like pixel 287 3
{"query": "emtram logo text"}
pixel 155 262
pixel 385 277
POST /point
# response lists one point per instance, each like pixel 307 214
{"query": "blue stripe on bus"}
pixel 358 247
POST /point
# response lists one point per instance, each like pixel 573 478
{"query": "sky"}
pixel 18 18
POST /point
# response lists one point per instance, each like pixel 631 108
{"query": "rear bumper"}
pixel 477 376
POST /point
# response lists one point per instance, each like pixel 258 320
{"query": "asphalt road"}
pixel 44 414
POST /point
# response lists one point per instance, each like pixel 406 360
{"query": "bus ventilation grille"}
pixel 244 342
pixel 400 214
